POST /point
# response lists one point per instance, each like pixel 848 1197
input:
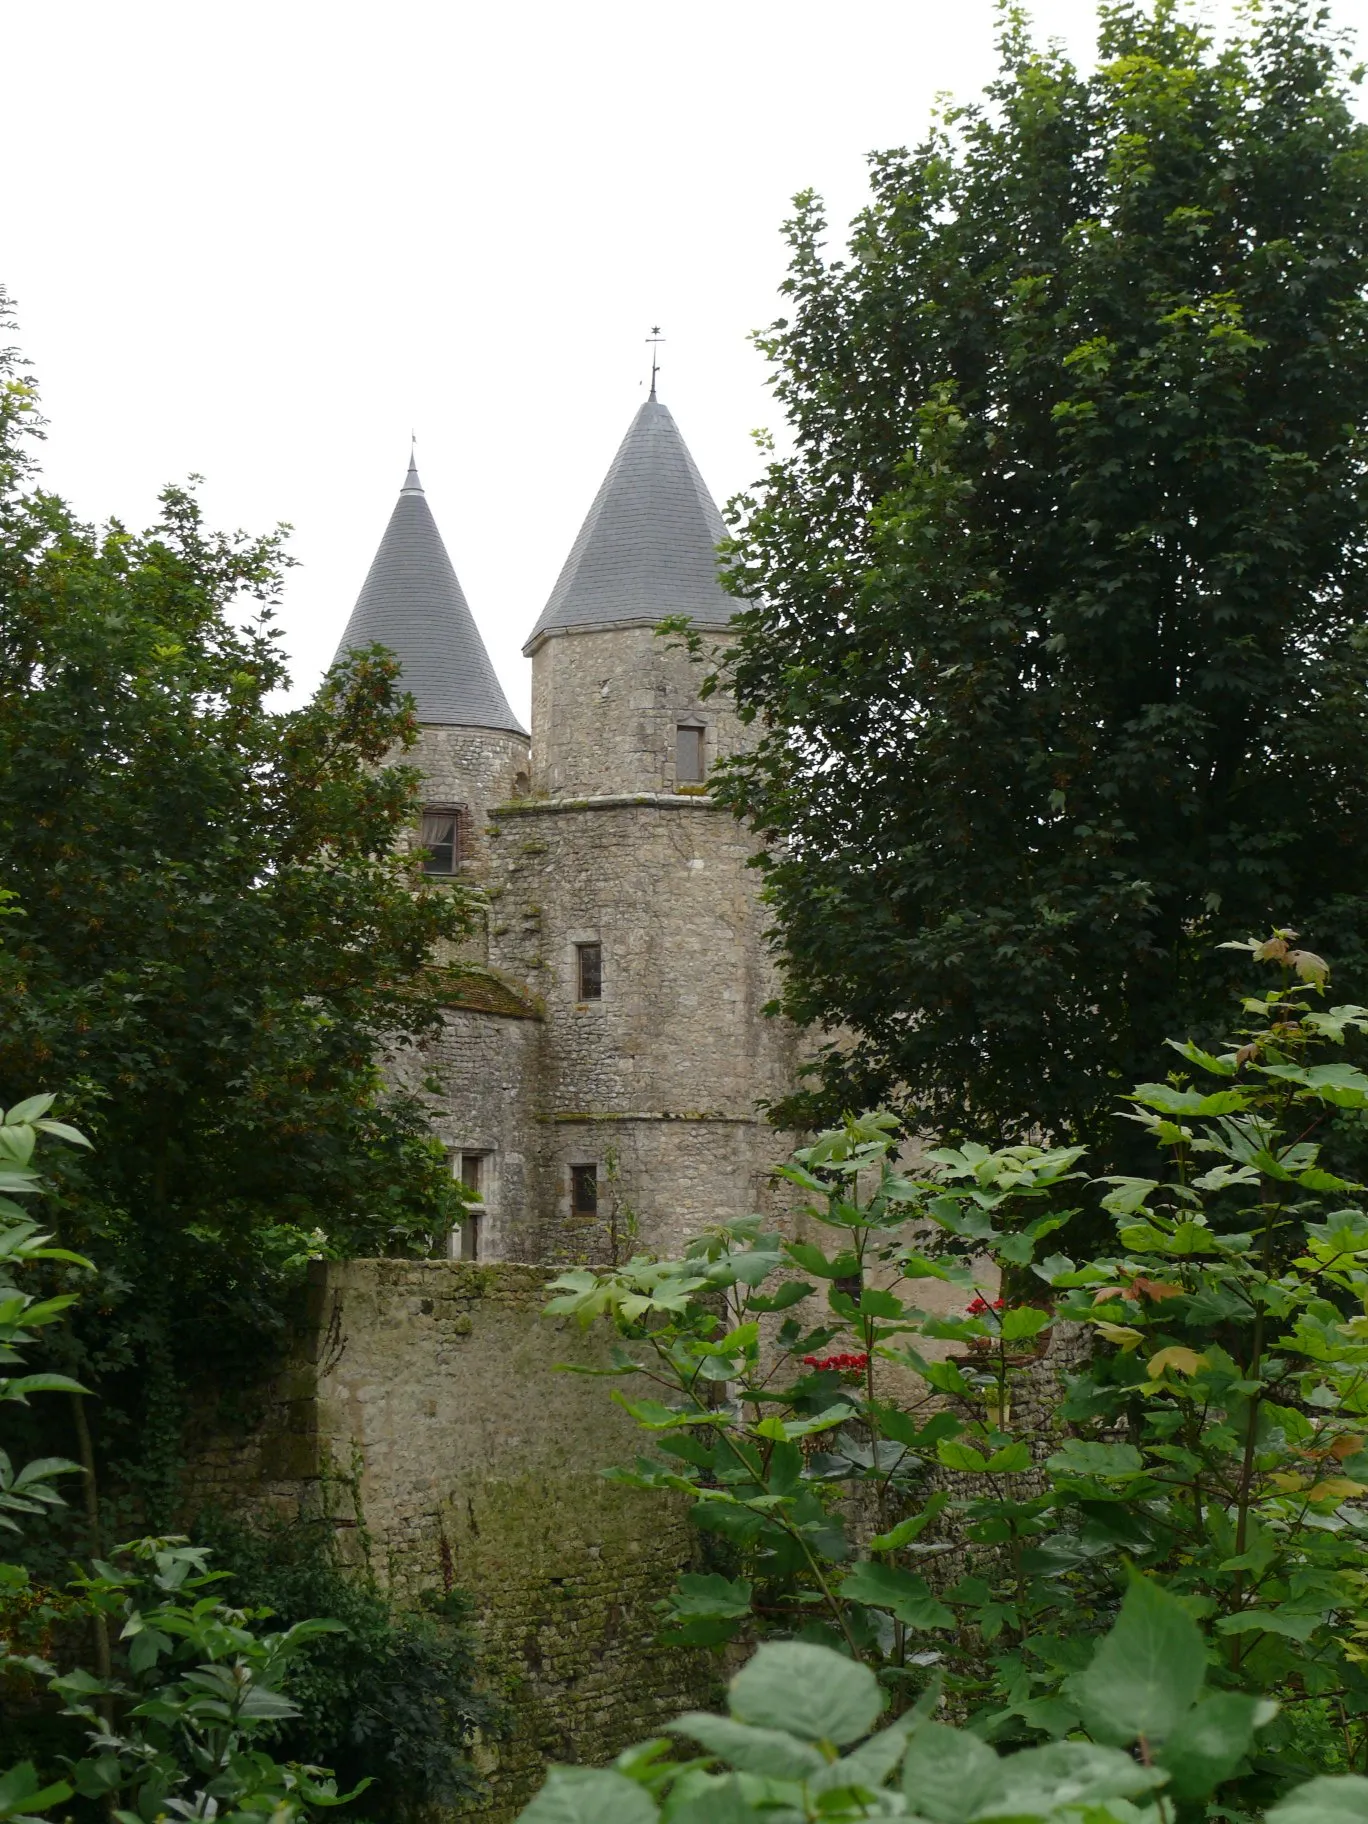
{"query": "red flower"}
pixel 837 1364
pixel 980 1307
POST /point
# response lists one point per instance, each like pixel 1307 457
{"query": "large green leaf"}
pixel 883 1586
pixel 1043 1780
pixel 810 1690
pixel 585 1795
pixel 719 1801
pixel 1209 1743
pixel 948 1775
pixel 1145 1675
pixel 1080 1457
pixel 869 1765
pixel 22 1792
pixel 712 1595
pixel 772 1752
pixel 1338 1799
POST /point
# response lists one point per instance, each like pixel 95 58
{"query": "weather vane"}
pixel 654 340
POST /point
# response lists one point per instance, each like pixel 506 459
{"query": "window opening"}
pixel 441 837
pixel 688 755
pixel 584 1190
pixel 589 970
pixel 470 1169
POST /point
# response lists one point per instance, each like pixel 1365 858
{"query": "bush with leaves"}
pixel 166 1698
pixel 396 1695
pixel 1218 1434
pixel 807 1738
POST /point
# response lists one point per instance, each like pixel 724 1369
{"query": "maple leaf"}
pixel 1181 1360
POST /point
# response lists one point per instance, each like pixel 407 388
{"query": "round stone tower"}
pixel 473 751
pixel 627 902
pixel 473 754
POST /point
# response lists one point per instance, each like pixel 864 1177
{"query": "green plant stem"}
pixel 90 1494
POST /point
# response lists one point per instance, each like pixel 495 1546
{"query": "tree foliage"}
pixel 214 937
pixel 1053 638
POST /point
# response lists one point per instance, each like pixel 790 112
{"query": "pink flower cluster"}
pixel 980 1307
pixel 839 1364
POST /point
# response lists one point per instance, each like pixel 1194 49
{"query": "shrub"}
pixel 1163 1747
pixel 395 1695
pixel 1218 1434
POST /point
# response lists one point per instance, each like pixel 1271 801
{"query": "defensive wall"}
pixel 423 1413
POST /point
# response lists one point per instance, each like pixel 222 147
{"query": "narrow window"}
pixel 584 1190
pixel 441 837
pixel 470 1167
pixel 589 971
pixel 688 755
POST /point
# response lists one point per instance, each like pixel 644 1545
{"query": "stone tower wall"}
pixel 486 1066
pixel 657 1082
pixel 605 706
pixel 473 768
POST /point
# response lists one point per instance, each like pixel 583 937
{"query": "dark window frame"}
pixel 436 864
pixel 584 1190
pixel 589 971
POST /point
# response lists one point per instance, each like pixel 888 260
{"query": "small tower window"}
pixel 470 1168
pixel 584 1190
pixel 589 971
pixel 689 754
pixel 441 837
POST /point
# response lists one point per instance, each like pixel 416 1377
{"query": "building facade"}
pixel 605 1060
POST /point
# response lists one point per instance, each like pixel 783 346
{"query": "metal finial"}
pixel 654 340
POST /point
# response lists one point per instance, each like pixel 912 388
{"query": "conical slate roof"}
pixel 412 603
pixel 647 548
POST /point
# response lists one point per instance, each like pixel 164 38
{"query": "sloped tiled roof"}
pixel 647 549
pixel 412 602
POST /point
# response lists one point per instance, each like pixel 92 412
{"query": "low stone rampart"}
pixel 425 1413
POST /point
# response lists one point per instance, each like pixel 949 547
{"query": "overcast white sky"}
pixel 262 241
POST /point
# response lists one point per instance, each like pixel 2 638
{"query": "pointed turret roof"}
pixel 648 547
pixel 412 602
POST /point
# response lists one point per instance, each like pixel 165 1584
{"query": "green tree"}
pixel 213 940
pixel 1054 638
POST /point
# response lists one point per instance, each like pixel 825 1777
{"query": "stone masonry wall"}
pixel 605 705
pixel 424 1413
pixel 471 768
pixel 659 1080
pixel 485 1068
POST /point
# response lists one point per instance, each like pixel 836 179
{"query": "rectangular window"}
pixel 688 755
pixel 589 971
pixel 584 1190
pixel 441 837
pixel 470 1169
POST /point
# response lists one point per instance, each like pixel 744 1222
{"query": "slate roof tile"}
pixel 648 547
pixel 412 602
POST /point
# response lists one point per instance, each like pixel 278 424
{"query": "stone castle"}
pixel 606 1058
pixel 602 1067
